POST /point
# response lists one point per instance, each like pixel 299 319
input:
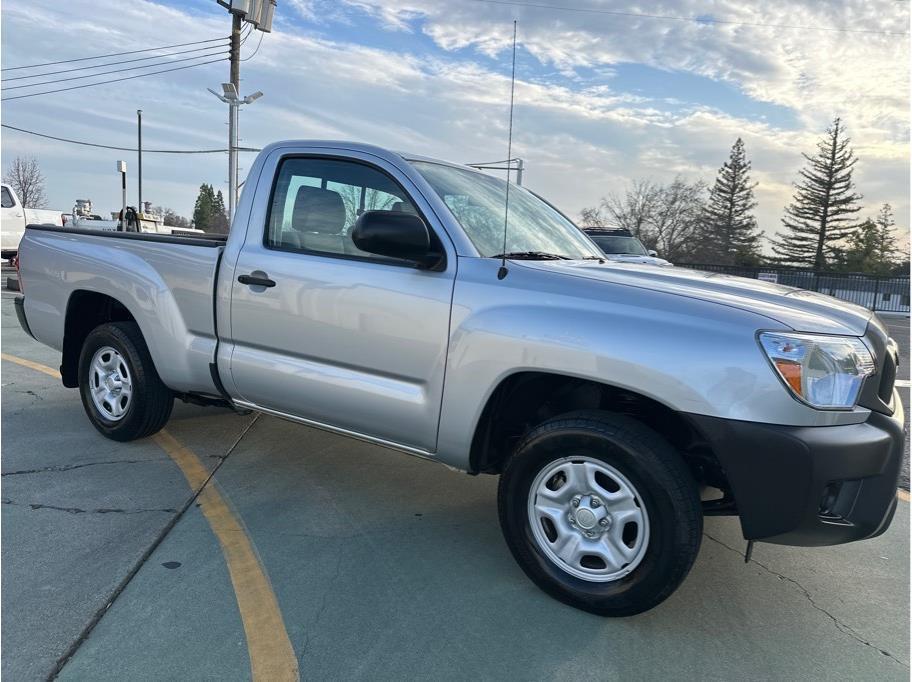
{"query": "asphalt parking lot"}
pixel 309 554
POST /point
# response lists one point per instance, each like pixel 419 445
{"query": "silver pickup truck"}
pixel 378 295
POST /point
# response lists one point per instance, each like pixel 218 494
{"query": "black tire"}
pixel 664 485
pixel 150 405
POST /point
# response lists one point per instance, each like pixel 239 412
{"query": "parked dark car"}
pixel 620 245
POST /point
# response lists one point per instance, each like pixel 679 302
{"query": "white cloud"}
pixel 580 138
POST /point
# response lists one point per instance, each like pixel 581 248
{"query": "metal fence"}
pixel 883 294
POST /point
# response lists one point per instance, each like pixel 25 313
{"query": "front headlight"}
pixel 823 371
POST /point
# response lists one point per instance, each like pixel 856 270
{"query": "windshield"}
pixel 614 244
pixel 477 202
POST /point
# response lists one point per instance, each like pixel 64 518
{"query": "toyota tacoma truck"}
pixel 403 301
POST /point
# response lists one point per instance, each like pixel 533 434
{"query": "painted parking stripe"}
pixel 31 365
pixel 270 651
pixel 903 383
pixel 271 655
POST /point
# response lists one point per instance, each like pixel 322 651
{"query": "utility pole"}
pixel 235 80
pixel 257 13
pixel 139 204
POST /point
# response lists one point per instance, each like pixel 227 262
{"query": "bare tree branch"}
pixel 26 179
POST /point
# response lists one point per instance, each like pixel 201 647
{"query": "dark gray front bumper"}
pixel 822 485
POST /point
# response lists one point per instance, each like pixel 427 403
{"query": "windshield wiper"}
pixel 530 255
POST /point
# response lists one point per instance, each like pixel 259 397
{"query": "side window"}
pixel 316 202
pixel 6 199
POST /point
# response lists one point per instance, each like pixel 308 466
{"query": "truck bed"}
pixel 166 281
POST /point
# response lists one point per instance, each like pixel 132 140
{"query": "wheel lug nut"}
pixel 575 501
pixel 595 503
pixel 605 522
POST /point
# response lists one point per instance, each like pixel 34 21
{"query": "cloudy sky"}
pixel 601 99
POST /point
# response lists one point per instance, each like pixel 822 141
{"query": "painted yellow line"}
pixel 903 495
pixel 271 654
pixel 31 365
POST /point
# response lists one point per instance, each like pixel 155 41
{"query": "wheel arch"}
pixel 524 399
pixel 85 311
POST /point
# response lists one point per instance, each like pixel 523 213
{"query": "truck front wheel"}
pixel 121 392
pixel 600 512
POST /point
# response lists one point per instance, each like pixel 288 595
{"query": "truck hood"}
pixel 799 309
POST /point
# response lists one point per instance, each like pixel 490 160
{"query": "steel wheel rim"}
pixel 110 383
pixel 588 519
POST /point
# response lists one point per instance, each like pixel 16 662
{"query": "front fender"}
pixel 690 355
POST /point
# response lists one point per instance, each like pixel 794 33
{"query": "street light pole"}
pixel 232 156
pixel 230 97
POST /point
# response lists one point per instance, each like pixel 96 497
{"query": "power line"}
pixel 104 73
pixel 695 19
pixel 113 54
pixel 257 49
pixel 249 28
pixel 113 80
pixel 117 63
pixel 127 149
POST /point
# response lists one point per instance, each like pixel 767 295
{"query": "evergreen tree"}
pixel 860 254
pixel 219 221
pixel 872 247
pixel 821 215
pixel 204 208
pixel 728 229
pixel 887 253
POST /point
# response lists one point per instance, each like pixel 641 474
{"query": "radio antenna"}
pixel 502 271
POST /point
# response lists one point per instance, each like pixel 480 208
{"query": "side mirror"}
pixel 653 253
pixel 395 234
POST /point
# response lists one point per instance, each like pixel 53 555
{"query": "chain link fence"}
pixel 879 293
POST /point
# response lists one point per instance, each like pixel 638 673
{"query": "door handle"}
pixel 256 281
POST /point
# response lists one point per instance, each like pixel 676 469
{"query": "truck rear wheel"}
pixel 601 512
pixel 121 392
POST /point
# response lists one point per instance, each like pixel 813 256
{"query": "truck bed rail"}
pixel 210 240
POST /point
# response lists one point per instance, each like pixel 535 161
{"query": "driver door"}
pixel 343 338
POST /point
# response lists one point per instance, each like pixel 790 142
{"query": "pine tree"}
pixel 204 208
pixel 219 221
pixel 872 247
pixel 887 253
pixel 821 215
pixel 728 229
pixel 860 254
